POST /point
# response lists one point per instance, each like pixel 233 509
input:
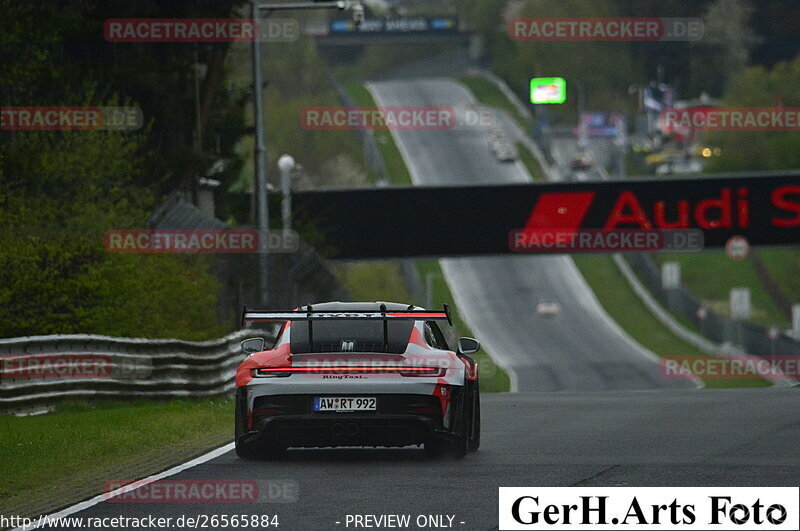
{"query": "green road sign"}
pixel 551 90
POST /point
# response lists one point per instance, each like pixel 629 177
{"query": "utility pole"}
pixel 621 142
pixel 260 166
pixel 260 149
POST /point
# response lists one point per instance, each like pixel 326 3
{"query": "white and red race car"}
pixel 356 374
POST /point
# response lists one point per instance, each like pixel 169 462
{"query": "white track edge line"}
pixel 91 502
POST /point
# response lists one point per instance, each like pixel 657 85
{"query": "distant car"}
pixel 581 162
pixel 680 165
pixel 356 374
pixel 548 308
pixel 504 150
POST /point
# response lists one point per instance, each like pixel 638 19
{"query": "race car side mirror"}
pixel 254 344
pixel 467 345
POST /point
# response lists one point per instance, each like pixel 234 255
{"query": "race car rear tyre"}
pixel 463 427
pixel 475 441
pixel 253 449
pixel 460 446
pixel 434 447
pixel 249 450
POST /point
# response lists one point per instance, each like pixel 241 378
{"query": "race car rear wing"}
pixel 410 314
pixel 310 315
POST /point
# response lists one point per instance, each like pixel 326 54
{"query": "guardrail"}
pixel 39 371
pixel 750 338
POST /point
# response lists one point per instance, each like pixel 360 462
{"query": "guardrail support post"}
pixel 796 321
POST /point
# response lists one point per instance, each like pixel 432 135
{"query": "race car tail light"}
pixel 472 369
pixel 270 373
pixel 277 372
pixel 426 371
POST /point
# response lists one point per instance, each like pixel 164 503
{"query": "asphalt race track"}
pixel 580 349
pixel 626 438
pixel 592 408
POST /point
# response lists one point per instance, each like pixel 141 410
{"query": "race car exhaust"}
pixel 337 430
pixel 352 429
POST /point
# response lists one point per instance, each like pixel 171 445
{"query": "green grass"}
pixel 82 445
pixel 784 264
pixel 373 281
pixel 392 158
pixel 488 94
pixel 493 378
pixel 625 308
pixel 710 275
pixel 534 168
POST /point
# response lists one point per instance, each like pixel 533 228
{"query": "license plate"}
pixel 344 403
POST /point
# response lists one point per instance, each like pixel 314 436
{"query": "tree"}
pixel 725 48
pixel 759 87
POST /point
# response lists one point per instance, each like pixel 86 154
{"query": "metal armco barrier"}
pixel 40 371
pixel 472 220
pixel 751 338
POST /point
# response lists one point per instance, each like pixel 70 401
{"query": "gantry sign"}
pixel 679 214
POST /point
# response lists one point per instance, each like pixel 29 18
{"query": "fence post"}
pixel 740 309
pixel 796 322
pixel 670 282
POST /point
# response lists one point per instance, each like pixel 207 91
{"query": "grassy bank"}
pixel 391 155
pixel 488 94
pixel 52 460
pixel 783 264
pixel 697 269
pixel 622 304
pixel 534 168
pixel 373 281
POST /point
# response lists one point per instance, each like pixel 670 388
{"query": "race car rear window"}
pixel 351 336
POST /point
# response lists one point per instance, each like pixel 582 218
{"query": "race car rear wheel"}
pixel 461 446
pixel 244 449
pixel 475 441
pixel 249 448
pixel 464 424
pixel 248 451
pixel 435 447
